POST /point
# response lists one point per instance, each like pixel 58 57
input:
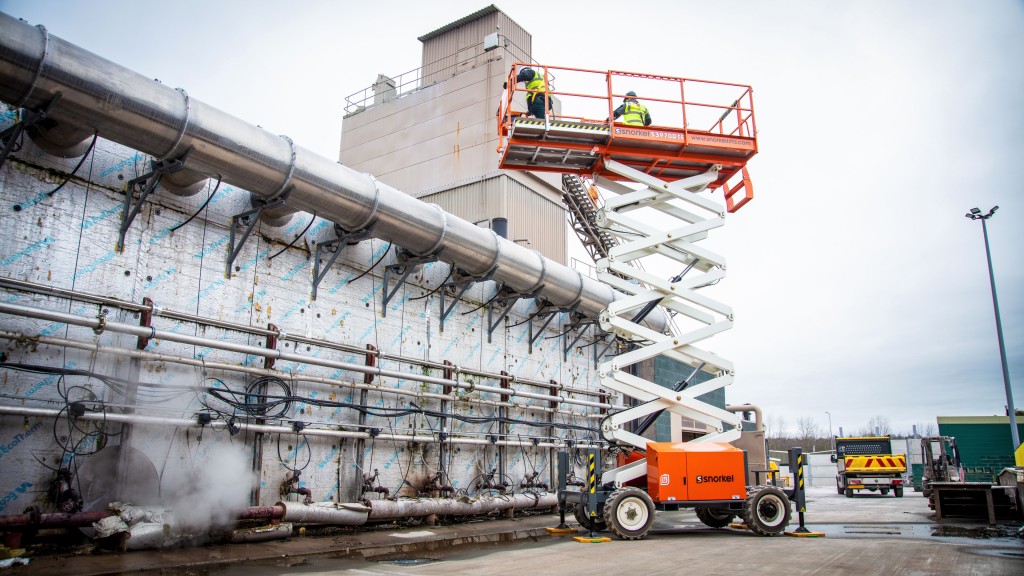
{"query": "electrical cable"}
pixel 292 243
pixel 79 165
pixel 492 298
pixel 439 286
pixel 372 266
pixel 298 444
pixel 201 208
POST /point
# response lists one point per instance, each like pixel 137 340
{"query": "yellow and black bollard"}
pixel 796 463
pixel 591 496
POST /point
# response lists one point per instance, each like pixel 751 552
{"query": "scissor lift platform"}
pixel 583 146
pixel 579 147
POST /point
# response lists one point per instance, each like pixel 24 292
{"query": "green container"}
pixel 918 471
pixel 985 443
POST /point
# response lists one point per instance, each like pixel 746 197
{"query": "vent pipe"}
pixel 130 109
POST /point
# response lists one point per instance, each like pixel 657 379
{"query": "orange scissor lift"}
pixel 701 138
pixel 697 124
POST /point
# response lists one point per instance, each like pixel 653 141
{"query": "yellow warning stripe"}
pixel 876 463
pixel 574 125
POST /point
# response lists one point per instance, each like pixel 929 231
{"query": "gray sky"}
pixel 859 287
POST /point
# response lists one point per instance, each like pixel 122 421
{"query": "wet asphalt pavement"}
pixel 869 534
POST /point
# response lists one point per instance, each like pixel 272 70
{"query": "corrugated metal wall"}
pixel 451 51
pixel 533 220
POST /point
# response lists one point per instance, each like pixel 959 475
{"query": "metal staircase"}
pixel 583 218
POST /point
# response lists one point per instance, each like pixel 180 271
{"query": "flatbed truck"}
pixel 866 463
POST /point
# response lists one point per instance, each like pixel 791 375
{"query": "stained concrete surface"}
pixel 869 534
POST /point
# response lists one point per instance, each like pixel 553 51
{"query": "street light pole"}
pixel 975 214
pixel 831 436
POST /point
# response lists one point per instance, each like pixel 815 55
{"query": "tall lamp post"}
pixel 975 214
pixel 831 436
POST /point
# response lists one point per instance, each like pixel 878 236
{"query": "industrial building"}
pixel 195 308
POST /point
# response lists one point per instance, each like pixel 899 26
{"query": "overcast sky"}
pixel 859 287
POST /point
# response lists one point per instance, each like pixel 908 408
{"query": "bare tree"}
pixel 775 431
pixel 775 426
pixel 807 428
pixel 927 429
pixel 877 425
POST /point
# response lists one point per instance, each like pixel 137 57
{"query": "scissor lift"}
pixel 664 213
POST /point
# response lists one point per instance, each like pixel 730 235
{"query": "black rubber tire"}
pixel 629 513
pixel 766 511
pixel 839 487
pixel 581 516
pixel 714 517
pixel 897 491
pixel 849 492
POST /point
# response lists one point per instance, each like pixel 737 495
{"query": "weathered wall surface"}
pixel 67 240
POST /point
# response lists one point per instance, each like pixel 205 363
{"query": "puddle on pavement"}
pixel 991 536
pixel 407 561
pixel 1014 553
pixel 415 555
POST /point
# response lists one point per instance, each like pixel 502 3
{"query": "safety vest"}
pixel 536 84
pixel 633 113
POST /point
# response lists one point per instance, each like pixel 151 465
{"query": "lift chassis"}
pixel 628 511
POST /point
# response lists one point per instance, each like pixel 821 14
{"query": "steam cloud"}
pixel 212 493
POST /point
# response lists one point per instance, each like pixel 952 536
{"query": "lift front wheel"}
pixel 766 511
pixel 629 513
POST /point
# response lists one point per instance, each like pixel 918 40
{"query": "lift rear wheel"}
pixel 714 517
pixel 581 515
pixel 629 513
pixel 897 491
pixel 766 511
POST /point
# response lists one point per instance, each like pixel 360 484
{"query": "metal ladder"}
pixel 672 218
pixel 583 218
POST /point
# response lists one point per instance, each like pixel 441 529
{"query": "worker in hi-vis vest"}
pixel 535 101
pixel 633 112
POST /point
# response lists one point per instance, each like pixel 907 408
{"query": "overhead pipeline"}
pixel 38 69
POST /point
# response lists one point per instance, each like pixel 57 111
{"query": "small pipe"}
pixel 293 377
pixel 758 419
pixel 153 333
pixel 25 521
pixel 256 330
pixel 266 428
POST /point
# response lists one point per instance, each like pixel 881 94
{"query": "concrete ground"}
pixel 868 534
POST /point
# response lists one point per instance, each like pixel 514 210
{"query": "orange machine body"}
pixel 695 471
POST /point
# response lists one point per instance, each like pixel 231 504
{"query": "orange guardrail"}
pixel 703 121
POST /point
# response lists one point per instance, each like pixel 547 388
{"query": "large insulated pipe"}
pixel 328 513
pixel 135 111
pixel 383 509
